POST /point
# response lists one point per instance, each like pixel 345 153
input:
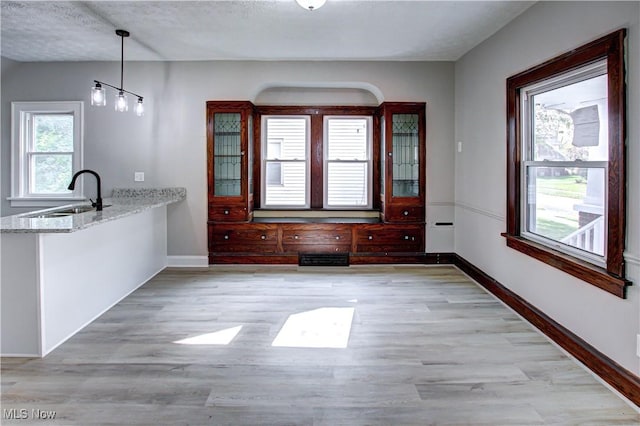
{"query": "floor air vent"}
pixel 323 259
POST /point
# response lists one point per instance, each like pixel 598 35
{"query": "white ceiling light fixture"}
pixel 311 4
pixel 98 96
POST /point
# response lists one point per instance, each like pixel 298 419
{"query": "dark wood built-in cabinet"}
pixel 395 235
pixel 402 128
pixel 230 161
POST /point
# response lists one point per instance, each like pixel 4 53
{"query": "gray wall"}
pixel 542 32
pixel 169 142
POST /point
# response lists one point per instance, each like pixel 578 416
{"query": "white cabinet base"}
pixel 54 284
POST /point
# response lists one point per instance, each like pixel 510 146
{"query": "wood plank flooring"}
pixel 427 347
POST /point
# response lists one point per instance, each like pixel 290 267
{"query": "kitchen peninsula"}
pixel 60 272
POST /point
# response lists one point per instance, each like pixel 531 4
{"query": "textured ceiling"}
pixel 250 29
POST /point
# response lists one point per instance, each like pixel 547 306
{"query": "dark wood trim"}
pixel 355 259
pixel 249 259
pixel 375 163
pixel 613 373
pixel 257 160
pixel 610 47
pixel 316 163
pixel 617 132
pixel 439 258
pixel 587 272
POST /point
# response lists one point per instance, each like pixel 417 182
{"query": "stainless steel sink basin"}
pixel 67 211
pixel 47 215
pixel 76 209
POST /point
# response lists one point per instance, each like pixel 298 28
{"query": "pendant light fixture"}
pixel 311 4
pixel 98 95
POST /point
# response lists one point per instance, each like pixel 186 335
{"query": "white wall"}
pixel 169 142
pixel 55 284
pixel 545 30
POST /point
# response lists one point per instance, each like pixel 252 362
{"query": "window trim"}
pixel 326 161
pixel 611 278
pixel 20 195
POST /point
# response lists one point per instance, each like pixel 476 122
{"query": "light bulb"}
pixel 311 4
pixel 139 108
pixel 98 97
pixel 122 105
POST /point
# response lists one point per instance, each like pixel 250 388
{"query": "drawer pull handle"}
pixel 263 237
pixel 337 237
pixel 226 237
pixel 406 237
pixel 406 212
pixel 371 237
pixel 295 237
pixel 226 212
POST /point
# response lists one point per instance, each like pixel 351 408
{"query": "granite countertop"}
pixel 123 202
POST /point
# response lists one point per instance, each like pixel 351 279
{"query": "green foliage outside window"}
pixel 52 155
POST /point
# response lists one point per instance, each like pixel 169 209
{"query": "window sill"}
pixel 316 213
pixel 587 272
pixel 42 201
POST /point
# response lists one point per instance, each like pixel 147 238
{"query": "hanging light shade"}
pixel 98 95
pixel 311 4
pixel 122 104
pixel 139 108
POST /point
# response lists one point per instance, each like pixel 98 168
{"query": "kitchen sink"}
pixel 76 209
pixel 47 215
pixel 67 211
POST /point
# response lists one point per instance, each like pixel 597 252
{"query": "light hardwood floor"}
pixel 427 346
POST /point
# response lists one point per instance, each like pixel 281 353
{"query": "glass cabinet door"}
pixel 227 146
pixel 405 155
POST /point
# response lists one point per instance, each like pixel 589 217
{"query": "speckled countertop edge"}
pixel 124 202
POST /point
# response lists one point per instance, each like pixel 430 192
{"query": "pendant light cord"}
pixel 121 61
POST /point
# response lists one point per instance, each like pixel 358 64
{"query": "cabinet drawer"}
pixel 385 238
pixel 228 213
pixel 404 214
pixel 243 238
pixel 328 235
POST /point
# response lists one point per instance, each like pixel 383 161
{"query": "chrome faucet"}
pixel 72 185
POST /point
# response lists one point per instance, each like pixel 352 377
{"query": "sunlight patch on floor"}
pixel 319 328
pixel 222 337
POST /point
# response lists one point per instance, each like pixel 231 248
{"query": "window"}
pixel 316 157
pixel 46 151
pixel 285 162
pixel 565 163
pixel 347 159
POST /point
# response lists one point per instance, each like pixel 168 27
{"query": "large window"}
pixel 347 159
pixel 46 151
pixel 566 163
pixel 565 146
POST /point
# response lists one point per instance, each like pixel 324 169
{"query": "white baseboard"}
pixel 187 261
